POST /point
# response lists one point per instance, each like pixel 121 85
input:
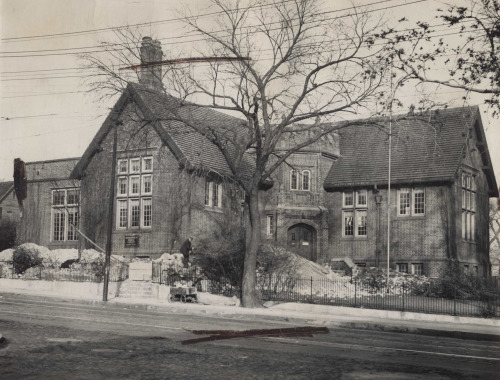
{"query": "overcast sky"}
pixel 44 113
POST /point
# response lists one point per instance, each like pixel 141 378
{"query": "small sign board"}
pixel 131 241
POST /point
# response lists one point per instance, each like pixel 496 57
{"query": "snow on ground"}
pixel 6 255
pixel 212 299
pixel 307 269
pixel 59 256
pixel 170 259
pixel 90 255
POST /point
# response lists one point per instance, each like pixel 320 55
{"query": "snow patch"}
pixel 6 254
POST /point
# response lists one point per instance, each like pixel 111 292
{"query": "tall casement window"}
pixel 65 214
pixel 468 207
pixel 354 213
pixel 306 180
pixel 411 202
pixel 134 207
pixel 269 225
pixel 294 181
pixel 213 194
pixel 300 180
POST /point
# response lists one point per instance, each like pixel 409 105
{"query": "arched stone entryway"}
pixel 301 239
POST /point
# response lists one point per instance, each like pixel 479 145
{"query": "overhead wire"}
pixel 178 19
pixel 107 47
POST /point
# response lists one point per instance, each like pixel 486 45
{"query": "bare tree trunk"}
pixel 250 297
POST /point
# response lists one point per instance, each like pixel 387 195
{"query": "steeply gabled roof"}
pixel 423 151
pixel 191 147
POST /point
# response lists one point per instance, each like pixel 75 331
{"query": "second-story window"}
pixel 134 190
pixel 213 194
pixel 300 180
pixel 294 184
pixel 306 180
pixel 468 207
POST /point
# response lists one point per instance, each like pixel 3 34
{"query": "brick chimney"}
pixel 151 76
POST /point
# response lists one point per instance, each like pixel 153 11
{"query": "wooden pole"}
pixel 110 212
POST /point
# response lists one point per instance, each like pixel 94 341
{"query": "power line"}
pixel 173 37
pixel 98 30
pixel 44 94
pixel 46 133
pixel 262 59
pixel 106 48
pixel 91 68
pixel 63 77
pixel 7 118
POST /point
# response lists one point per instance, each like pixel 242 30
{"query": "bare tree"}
pixel 295 68
pixel 470 61
pixel 494 224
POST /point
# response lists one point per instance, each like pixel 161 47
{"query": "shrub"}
pixel 25 258
pixel 453 282
pixel 222 255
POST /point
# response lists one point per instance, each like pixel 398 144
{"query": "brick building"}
pixel 52 205
pixel 329 201
pixel 9 210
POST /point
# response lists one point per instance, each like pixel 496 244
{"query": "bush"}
pixel 25 258
pixel 222 255
pixel 7 234
pixel 453 282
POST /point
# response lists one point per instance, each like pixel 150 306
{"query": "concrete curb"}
pixel 283 314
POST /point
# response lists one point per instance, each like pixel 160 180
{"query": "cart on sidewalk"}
pixel 183 294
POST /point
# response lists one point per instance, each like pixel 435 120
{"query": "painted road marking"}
pixel 367 348
pixel 92 320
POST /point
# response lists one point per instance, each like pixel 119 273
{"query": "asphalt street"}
pixel 64 340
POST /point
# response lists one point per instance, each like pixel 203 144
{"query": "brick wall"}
pixel 414 239
pixel 293 207
pixel 9 208
pixel 178 209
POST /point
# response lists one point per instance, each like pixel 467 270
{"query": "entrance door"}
pixel 301 239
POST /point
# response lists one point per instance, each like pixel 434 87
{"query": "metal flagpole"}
pixel 389 190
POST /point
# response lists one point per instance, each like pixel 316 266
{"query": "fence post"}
pixel 40 272
pixel 403 296
pixel 161 272
pixel 355 291
pixel 311 290
pixel 455 303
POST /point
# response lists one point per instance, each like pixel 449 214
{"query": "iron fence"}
pixel 81 273
pixel 402 296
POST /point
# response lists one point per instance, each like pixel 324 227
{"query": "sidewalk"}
pixel 297 313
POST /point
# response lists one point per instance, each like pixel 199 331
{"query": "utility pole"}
pixel 389 205
pixel 111 203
